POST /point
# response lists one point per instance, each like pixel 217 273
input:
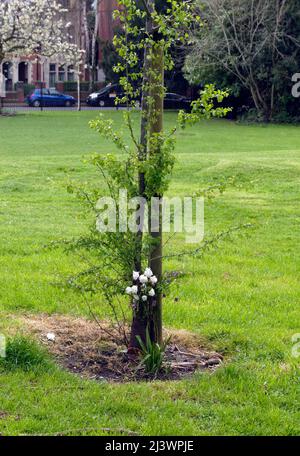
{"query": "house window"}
pixel 52 75
pixel 61 73
pixel 70 73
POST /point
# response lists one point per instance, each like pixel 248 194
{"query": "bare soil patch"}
pixel 83 348
pixel 3 415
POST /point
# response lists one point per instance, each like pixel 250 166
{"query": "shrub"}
pixel 28 89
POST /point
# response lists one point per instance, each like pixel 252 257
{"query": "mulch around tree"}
pixel 96 351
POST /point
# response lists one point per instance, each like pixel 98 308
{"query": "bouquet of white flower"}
pixel 143 287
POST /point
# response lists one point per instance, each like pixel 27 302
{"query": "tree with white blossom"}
pixel 36 27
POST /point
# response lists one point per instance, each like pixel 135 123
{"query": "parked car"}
pixel 176 101
pixel 106 97
pixel 50 97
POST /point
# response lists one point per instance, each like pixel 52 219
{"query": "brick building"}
pixel 30 70
pixel 106 24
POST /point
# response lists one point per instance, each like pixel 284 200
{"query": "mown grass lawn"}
pixel 242 298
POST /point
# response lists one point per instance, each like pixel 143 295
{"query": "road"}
pixel 84 108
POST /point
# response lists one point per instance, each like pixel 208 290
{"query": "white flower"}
pixel 148 273
pixel 134 289
pixel 151 292
pixel 19 26
pixel 51 336
pixel 144 298
pixel 135 275
pixel 143 279
pixel 136 298
pixel 128 290
pixel 153 280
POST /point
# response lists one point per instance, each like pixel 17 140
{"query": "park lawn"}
pixel 242 298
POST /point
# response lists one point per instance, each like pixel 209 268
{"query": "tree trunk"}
pixel 78 89
pixel 149 314
pixel 2 55
pixel 261 107
pixel 272 102
pixel 94 43
pixel 155 260
pixel 87 40
pixel 139 321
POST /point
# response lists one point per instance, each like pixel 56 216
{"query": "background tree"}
pixel 90 13
pixel 28 25
pixel 36 27
pixel 253 44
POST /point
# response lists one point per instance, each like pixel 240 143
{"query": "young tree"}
pixel 137 256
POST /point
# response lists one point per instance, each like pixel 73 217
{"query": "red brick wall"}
pixel 106 27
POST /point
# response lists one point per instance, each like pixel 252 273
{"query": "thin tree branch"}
pixel 147 9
